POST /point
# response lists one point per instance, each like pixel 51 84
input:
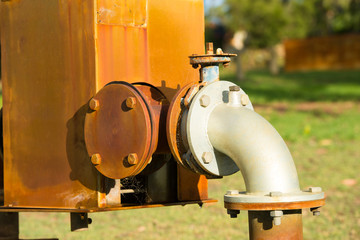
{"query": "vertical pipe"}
pixel 261 226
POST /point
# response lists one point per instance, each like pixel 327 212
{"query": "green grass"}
pixel 300 86
pixel 323 136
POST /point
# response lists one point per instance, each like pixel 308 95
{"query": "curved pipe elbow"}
pixel 255 146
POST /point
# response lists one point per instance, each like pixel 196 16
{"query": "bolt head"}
pixel 205 101
pixel 316 213
pixel 94 104
pixel 275 194
pixel 245 99
pixel 96 159
pixel 207 157
pixel 234 88
pixel 131 102
pixel 219 51
pixel 315 189
pixel 232 192
pixel 133 159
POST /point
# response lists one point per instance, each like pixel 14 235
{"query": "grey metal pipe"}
pixel 255 146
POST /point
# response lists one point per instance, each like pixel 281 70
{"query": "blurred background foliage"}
pixel 266 24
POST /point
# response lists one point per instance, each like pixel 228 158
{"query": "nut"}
pixel 277 214
pixel 94 104
pixel 96 159
pixel 315 189
pixel 205 101
pixel 131 102
pixel 133 159
pixel 244 99
pixel 232 192
pixel 233 213
pixel 275 194
pixel 219 51
pixel 234 88
pixel 316 213
pixel 207 157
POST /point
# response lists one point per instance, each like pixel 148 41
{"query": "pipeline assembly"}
pixel 114 104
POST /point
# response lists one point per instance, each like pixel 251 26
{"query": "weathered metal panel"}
pixel 56 55
pixel 155 52
pixel 48 77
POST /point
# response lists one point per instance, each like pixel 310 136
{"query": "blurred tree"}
pixel 269 22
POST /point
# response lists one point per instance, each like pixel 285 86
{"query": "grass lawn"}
pixel 318 115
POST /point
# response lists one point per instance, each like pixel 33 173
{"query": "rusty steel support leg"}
pixel 261 226
pixel 9 225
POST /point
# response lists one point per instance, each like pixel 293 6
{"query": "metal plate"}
pixel 196 128
pixel 115 130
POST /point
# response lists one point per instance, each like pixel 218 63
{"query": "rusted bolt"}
pixel 234 88
pixel 275 194
pixel 206 157
pixel 244 99
pixel 205 101
pixel 232 192
pixel 131 102
pixel 133 159
pixel 209 48
pixel 94 104
pixel 315 189
pixel 96 159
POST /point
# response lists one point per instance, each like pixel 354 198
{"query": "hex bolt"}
pixel 234 88
pixel 233 213
pixel 205 101
pixel 315 189
pixel 207 157
pixel 244 99
pixel 131 102
pixel 276 215
pixel 275 194
pixel 96 159
pixel 316 213
pixel 133 159
pixel 94 104
pixel 232 192
pixel 209 48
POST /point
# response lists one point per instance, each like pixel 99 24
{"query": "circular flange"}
pixel 301 196
pixel 274 200
pixel 201 107
pixel 275 206
pixel 173 125
pixel 119 132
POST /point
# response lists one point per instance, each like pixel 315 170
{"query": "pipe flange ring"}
pixel 202 105
pixel 274 200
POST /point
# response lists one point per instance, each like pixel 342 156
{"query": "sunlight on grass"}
pixel 318 115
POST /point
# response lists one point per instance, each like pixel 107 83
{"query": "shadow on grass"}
pixel 300 86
